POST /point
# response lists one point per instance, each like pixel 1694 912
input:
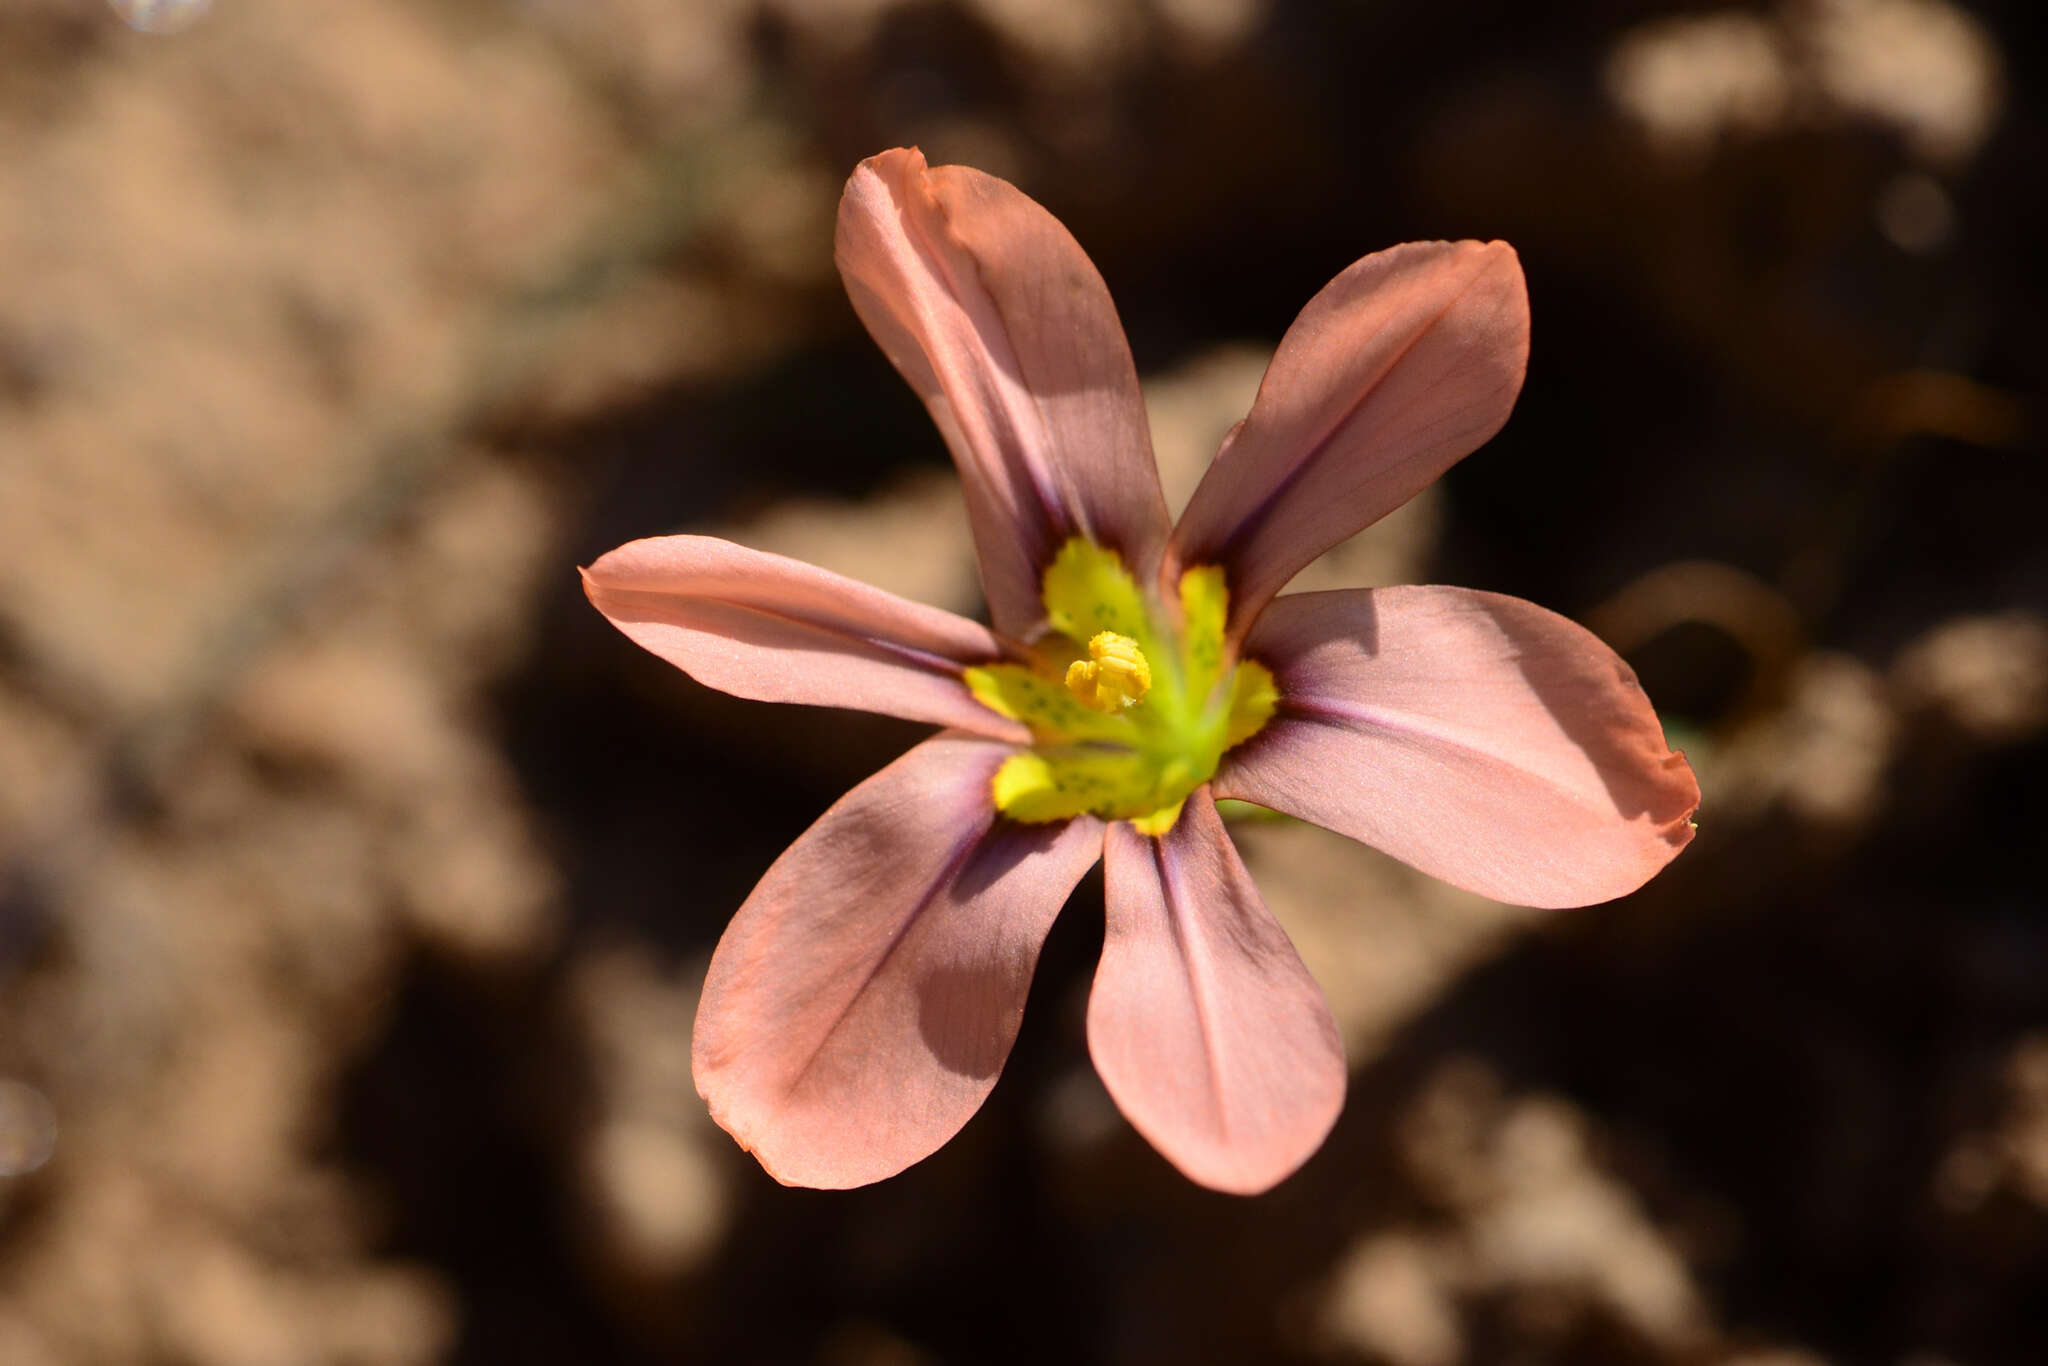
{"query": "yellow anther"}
pixel 1109 737
pixel 1115 674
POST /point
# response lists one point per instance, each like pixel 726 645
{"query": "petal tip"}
pixel 894 166
pixel 1207 1030
pixel 593 584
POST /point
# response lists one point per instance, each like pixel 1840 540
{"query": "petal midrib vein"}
pixel 1408 728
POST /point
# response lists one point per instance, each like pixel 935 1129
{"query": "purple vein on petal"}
pixel 1331 711
pixel 1167 864
pixel 955 861
pixel 910 654
pixel 1313 449
pixel 995 341
pixel 762 626
pixel 1410 730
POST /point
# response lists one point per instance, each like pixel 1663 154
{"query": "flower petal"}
pixel 1209 1033
pixel 864 999
pixel 1478 737
pixel 997 318
pixel 1396 370
pixel 779 630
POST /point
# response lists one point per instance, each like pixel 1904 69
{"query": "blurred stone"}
pixel 1690 78
pixel 38 753
pixel 22 1345
pixel 1966 1177
pixel 680 61
pixel 1823 754
pixel 1077 1113
pixel 219 1307
pixel 838 27
pixel 661 1197
pixel 360 708
pixel 1442 1134
pixel 474 875
pixel 777 214
pixel 28 1128
pixel 636 1020
pixel 398 1315
pixel 1517 1216
pixel 377 705
pixel 909 537
pixel 654 1166
pixel 1916 213
pixel 1388 1299
pixel 1536 1216
pixel 2026 1142
pixel 2010 1155
pixel 627 347
pixel 458 589
pixel 228 1103
pixel 1211 28
pixel 224 1311
pixel 1987 674
pixel 1563 1221
pixel 1924 66
pixel 1193 407
pixel 1074 35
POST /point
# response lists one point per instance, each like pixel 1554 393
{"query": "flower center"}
pixel 1115 674
pixel 1127 724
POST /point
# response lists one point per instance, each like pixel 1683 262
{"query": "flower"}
pixel 862 1002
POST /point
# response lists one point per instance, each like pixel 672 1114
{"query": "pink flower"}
pixel 863 1000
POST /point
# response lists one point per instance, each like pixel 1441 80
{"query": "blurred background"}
pixel 357 880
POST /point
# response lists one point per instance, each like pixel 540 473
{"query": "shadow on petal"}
pixel 1477 737
pixel 953 994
